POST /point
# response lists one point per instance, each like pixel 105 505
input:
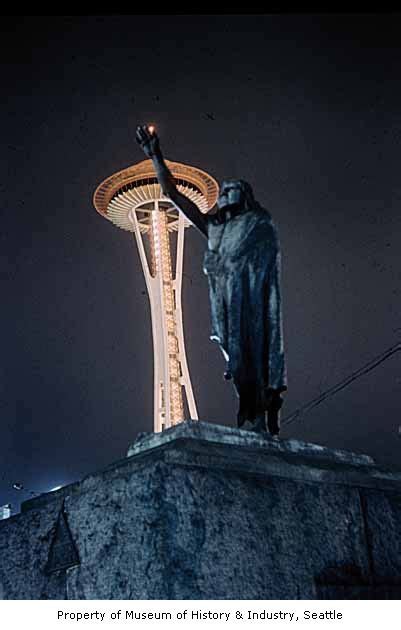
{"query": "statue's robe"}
pixel 242 264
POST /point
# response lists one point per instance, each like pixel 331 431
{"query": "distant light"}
pixel 151 128
pixel 55 488
pixel 18 486
pixel 5 511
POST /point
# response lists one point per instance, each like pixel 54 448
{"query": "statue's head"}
pixel 235 192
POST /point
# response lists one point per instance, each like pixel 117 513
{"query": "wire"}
pixel 344 383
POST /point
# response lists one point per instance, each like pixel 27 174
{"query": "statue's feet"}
pixel 258 425
pixel 261 422
pixel 246 426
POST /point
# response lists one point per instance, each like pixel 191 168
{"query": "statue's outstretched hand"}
pixel 148 140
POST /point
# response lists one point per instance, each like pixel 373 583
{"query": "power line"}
pixel 344 383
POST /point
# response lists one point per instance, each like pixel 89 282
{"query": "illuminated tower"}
pixel 132 200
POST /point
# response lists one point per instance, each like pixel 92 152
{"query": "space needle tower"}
pixel 132 199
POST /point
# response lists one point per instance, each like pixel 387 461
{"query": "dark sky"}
pixel 307 108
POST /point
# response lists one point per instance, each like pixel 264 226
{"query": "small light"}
pixel 55 488
pixel 18 486
pixel 151 128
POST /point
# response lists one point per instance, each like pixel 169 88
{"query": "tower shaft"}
pixel 171 375
pixel 133 200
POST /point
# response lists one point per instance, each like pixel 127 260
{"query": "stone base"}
pixel 203 511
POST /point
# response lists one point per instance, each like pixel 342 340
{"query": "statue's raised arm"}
pixel 149 142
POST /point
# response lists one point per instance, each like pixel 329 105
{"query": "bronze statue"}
pixel 242 264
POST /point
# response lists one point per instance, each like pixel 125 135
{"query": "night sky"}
pixel 307 108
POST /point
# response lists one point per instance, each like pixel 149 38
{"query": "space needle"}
pixel 132 199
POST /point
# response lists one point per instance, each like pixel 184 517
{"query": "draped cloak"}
pixel 243 264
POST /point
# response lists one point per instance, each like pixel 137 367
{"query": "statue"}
pixel 242 264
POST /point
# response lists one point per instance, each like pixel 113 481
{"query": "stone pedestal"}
pixel 203 511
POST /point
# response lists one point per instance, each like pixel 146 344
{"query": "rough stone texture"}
pixel 208 512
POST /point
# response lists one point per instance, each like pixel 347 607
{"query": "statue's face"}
pixel 230 194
